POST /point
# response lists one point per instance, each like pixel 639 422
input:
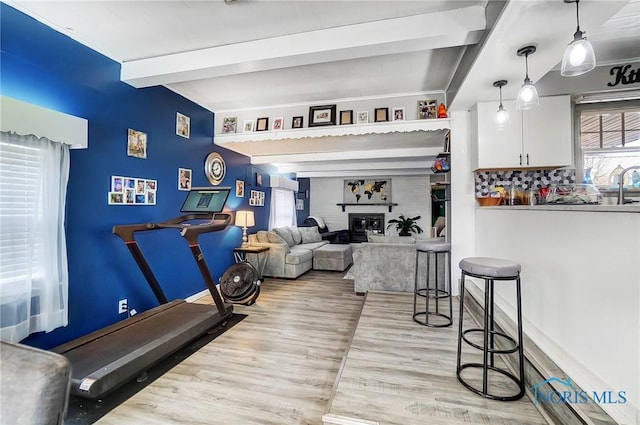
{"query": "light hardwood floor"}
pixel 277 366
pixel 400 373
pixel 280 364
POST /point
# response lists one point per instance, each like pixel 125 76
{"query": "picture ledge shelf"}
pixel 337 130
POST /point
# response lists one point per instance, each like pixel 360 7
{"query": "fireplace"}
pixel 359 223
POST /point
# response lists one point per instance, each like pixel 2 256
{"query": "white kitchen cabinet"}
pixel 536 138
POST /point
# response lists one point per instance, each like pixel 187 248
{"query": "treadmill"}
pixel 109 357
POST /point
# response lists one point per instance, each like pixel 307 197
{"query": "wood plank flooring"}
pixel 281 363
pixel 399 372
pixel 277 366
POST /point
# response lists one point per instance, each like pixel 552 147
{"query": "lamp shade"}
pixel 502 118
pixel 578 58
pixel 527 96
pixel 245 219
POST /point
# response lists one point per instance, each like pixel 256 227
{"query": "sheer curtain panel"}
pixel 283 208
pixel 33 256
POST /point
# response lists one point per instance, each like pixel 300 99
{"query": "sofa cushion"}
pixel 310 234
pixel 312 246
pixel 298 256
pixel 261 235
pixel 275 238
pixel 297 236
pixel 285 234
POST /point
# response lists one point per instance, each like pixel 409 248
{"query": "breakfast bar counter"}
pixel 628 208
pixel 581 288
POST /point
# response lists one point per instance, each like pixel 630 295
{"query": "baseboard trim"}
pixel 197 296
pixel 538 368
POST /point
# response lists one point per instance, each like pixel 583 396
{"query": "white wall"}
pixel 412 194
pixel 462 235
pixel 580 292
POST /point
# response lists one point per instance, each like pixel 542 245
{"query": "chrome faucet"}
pixel 621 200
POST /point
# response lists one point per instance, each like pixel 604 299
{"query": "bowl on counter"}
pixel 488 201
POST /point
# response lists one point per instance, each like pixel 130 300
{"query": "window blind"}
pixel 19 211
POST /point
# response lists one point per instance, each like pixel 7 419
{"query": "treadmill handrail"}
pixel 126 231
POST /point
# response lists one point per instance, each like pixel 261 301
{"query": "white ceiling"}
pixel 252 54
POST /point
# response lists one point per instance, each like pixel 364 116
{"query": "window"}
pixel 609 141
pixel 33 262
pixel 283 209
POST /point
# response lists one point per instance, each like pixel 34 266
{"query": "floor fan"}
pixel 240 284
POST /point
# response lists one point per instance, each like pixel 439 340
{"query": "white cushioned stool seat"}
pixel 433 246
pixel 490 267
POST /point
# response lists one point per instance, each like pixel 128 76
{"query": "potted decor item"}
pixel 405 225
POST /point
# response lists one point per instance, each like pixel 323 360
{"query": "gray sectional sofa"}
pixel 388 263
pixel 290 250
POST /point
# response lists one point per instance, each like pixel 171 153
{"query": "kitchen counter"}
pixel 628 208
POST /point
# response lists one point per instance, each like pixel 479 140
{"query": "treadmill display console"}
pixel 205 200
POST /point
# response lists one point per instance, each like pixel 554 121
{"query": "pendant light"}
pixel 528 95
pixel 578 57
pixel 502 116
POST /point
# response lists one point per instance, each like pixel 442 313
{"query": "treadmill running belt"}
pixel 115 357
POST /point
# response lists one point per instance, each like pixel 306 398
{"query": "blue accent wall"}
pixel 46 68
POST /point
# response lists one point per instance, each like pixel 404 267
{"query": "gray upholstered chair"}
pixel 34 385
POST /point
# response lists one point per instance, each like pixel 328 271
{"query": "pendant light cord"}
pixel 578 15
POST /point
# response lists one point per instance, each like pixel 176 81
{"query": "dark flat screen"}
pixel 205 200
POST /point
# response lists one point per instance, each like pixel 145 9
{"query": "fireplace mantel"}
pixel 387 204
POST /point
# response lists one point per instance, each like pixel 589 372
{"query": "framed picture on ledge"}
pixel 381 114
pixel 262 124
pixel 297 122
pixel 322 115
pixel 427 109
pixel 346 117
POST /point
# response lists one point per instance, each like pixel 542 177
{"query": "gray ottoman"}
pixel 332 257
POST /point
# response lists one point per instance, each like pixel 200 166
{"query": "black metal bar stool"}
pixel 491 269
pixel 433 290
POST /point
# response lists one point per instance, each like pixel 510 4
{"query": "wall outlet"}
pixel 123 307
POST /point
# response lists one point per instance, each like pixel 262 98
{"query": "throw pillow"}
pixel 297 236
pixel 310 234
pixel 262 236
pixel 285 234
pixel 275 238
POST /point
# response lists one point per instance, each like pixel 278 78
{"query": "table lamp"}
pixel 245 219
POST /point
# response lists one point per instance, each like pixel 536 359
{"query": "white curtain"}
pixel 33 257
pixel 283 208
